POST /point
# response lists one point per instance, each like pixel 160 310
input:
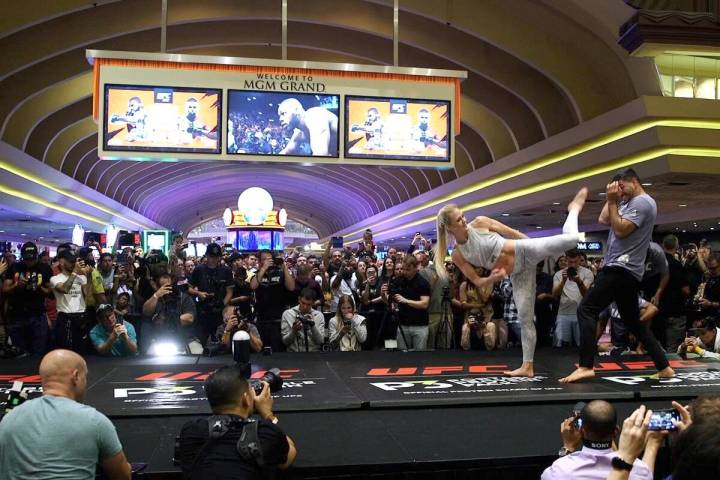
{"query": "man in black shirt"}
pixel 272 284
pixel 26 286
pixel 413 301
pixel 212 284
pixel 233 402
pixel 710 301
pixel 673 301
pixel 242 296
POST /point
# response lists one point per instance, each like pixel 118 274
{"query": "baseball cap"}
pixel 214 250
pixel 67 254
pixel 234 256
pixel 28 251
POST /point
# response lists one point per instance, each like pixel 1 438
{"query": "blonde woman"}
pixel 348 330
pixel 490 244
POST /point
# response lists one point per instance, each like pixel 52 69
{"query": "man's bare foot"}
pixel 580 374
pixel 578 202
pixel 666 372
pixel 525 370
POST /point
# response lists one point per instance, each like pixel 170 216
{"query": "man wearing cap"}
pixel 111 338
pixel 71 288
pixel 97 288
pixel 630 213
pixel 212 284
pixel 26 285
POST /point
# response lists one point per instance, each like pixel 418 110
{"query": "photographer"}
pixel 170 311
pixel 110 337
pixel 344 282
pixel 588 451
pixel 233 403
pixel 242 296
pixel 479 329
pixel 705 341
pixel 26 286
pixel 212 284
pixel 271 284
pixel 302 324
pixel 348 330
pixel 411 292
pixel 233 320
pixel 71 289
pixel 570 285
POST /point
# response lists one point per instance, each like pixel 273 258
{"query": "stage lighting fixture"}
pixel 166 349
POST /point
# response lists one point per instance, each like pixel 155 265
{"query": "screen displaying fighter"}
pixel 274 123
pixel 161 119
pixel 399 128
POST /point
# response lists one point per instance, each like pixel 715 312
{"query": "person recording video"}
pixel 134 119
pixel 171 313
pixel 111 337
pixel 233 321
pixel 348 330
pixel 212 283
pixel 271 285
pixel 302 328
pixel 411 293
pixel 234 403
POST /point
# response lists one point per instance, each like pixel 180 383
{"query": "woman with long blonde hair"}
pixel 490 244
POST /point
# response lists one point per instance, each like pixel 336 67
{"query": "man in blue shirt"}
pixel 56 436
pixel 110 337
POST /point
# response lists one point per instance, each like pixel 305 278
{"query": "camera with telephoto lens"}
pixel 273 379
pixel 572 272
pixel 306 320
pixel 395 286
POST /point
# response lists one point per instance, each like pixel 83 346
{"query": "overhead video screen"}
pixel 399 128
pixel 161 119
pixel 274 123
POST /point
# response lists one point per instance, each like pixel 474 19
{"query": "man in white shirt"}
pixel 570 286
pixel 344 282
pixel 703 339
pixel 71 288
pixel 301 324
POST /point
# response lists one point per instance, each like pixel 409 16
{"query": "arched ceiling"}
pixel 532 72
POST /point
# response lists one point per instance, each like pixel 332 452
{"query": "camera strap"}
pixel 597 445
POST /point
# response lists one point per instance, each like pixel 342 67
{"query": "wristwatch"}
pixel 564 451
pixel 620 464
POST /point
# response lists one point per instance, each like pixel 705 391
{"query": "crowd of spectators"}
pixel 350 298
pixel 345 299
pixel 255 133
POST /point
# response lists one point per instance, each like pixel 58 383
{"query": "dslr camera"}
pixel 572 272
pixel 395 286
pixel 273 379
pixel 305 320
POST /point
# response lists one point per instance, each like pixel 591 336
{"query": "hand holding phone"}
pixel 664 419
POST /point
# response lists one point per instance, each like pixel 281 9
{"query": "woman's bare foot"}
pixel 578 202
pixel 580 374
pixel 525 370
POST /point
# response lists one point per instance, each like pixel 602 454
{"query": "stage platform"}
pixel 390 411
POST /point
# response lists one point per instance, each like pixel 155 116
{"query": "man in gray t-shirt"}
pixel 630 213
pixel 57 437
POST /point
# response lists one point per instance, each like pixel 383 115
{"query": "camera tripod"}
pixel 392 313
pixel 445 335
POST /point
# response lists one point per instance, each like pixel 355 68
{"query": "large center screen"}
pixel 273 123
pixel 161 119
pixel 400 128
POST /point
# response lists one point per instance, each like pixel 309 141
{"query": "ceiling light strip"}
pixel 600 141
pixel 4 189
pixel 565 179
pixel 40 181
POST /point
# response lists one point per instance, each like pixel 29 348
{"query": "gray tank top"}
pixel 482 249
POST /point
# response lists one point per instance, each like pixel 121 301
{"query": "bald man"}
pixel 55 436
pixel 315 127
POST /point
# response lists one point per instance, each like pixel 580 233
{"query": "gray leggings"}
pixel 528 253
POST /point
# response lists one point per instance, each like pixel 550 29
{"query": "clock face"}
pixel 282 217
pixel 228 217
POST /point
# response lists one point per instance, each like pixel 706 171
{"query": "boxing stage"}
pixel 382 411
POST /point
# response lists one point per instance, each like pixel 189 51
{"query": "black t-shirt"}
pixel 413 289
pixel 221 460
pixel 312 285
pixel 212 280
pixel 712 293
pixel 375 292
pixel 271 296
pixel 243 290
pixel 30 300
pixel 673 301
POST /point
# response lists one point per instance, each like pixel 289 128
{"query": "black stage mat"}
pixel 340 381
